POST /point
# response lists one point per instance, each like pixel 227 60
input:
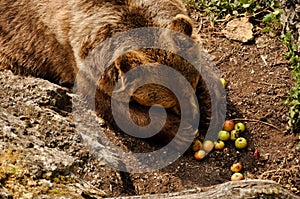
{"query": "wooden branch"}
pixel 258 121
pixel 229 190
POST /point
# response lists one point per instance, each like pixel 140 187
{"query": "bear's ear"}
pixel 183 24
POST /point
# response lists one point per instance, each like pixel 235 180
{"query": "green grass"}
pixel 294 99
pixel 215 9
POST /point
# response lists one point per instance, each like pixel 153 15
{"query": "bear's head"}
pixel 148 95
pixel 155 94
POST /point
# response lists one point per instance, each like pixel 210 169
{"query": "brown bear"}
pixel 55 39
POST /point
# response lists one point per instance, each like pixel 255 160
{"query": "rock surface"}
pixel 40 148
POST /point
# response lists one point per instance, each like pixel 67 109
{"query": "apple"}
pixel 240 127
pixel 219 145
pixel 236 167
pixel 223 81
pixel 237 177
pixel 199 155
pixel 228 125
pixel 196 145
pixel 256 154
pixel 224 135
pixel 240 143
pixel 208 145
pixel 234 134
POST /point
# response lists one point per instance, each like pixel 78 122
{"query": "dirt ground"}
pixel 258 84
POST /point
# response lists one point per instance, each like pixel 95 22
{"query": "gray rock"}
pixel 39 144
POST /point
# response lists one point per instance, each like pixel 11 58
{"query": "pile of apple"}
pixel 230 131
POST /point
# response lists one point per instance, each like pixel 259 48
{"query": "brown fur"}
pixel 52 39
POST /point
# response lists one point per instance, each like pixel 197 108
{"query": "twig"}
pixel 200 27
pixel 255 120
pixel 264 10
pixel 268 84
pixel 264 60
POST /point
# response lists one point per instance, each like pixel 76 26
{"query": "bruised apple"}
pixel 240 127
pixel 234 134
pixel 196 145
pixel 237 177
pixel 236 167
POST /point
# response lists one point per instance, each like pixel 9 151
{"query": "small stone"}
pixel 263 41
pixel 239 30
pixel 290 157
pixel 264 157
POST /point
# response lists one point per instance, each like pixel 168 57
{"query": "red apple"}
pixel 199 155
pixel 256 154
pixel 228 125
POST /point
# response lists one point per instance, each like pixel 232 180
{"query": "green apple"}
pixel 199 155
pixel 228 125
pixel 237 177
pixel 223 81
pixel 240 143
pixel 219 145
pixel 239 127
pixel 208 145
pixel 224 135
pixel 234 134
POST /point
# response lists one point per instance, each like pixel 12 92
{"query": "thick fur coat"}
pixel 52 39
